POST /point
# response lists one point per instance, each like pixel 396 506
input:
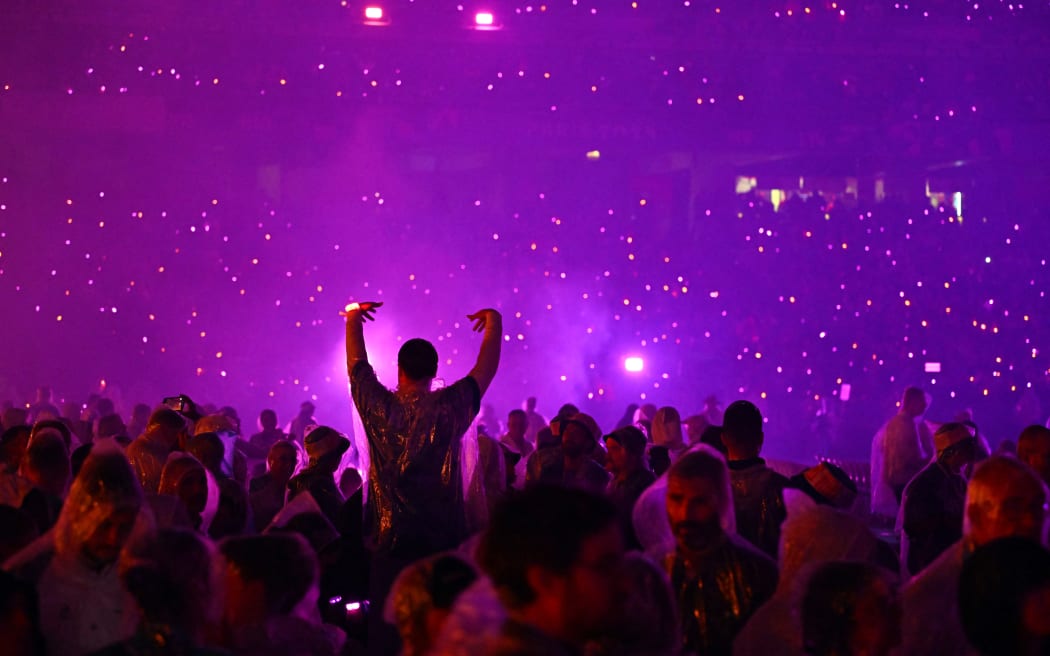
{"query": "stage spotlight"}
pixel 633 364
pixel 933 367
pixel 484 19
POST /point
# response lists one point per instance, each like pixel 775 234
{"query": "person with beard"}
pixel 579 439
pixel 719 578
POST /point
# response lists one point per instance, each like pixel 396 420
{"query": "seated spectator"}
pixel 850 608
pixel 271 594
pixel 757 489
pixel 267 492
pixel 175 586
pixel 932 506
pixel 82 604
pixel 555 556
pixel 422 597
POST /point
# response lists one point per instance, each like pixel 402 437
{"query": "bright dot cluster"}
pixel 205 190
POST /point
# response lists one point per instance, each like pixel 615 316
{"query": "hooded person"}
pixel 667 432
pixel 814 532
pixel 174 578
pixel 187 495
pixel 83 606
pixel 325 447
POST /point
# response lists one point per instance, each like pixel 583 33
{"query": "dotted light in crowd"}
pixel 634 364
pixel 484 20
pixel 374 13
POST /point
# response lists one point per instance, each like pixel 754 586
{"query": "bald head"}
pixel 1005 498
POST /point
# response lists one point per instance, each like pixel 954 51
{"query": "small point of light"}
pixel 374 13
pixel 484 19
pixel 633 364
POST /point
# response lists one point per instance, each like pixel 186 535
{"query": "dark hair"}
pixel 267 417
pixel 209 449
pixel 993 585
pixel 742 424
pixel 47 455
pixel 60 426
pixel 284 563
pixel 518 412
pixel 543 527
pixel 449 577
pixel 169 575
pixel 699 463
pixel 418 359
pixel 79 455
pixel 166 418
pixel 1035 431
pixel 829 605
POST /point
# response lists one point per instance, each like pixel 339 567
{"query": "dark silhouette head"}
pixel 418 359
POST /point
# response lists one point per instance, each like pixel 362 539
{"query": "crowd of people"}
pixel 454 533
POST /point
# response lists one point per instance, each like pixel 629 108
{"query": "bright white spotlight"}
pixel 933 367
pixel 484 19
pixel 374 15
pixel 633 364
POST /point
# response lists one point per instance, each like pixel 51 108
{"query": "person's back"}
pixel 415 496
pixel 758 491
pixel 932 503
pixel 415 478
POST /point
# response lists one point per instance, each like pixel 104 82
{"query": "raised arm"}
pixel 490 324
pixel 356 315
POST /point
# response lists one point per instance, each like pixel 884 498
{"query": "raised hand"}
pixel 485 318
pixel 365 310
